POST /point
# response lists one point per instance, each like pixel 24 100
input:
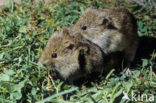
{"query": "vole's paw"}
pixel 127 72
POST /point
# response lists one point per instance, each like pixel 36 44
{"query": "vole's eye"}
pixel 84 27
pixel 54 55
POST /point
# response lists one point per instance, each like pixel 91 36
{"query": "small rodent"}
pixel 112 29
pixel 70 57
pixel 91 44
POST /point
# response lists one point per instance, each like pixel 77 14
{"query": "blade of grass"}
pixel 109 75
pixel 56 95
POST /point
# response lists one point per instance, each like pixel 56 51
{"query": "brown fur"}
pixel 111 29
pixel 74 57
pixel 80 52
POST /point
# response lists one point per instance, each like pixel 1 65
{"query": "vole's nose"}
pixel 44 63
pixel 47 63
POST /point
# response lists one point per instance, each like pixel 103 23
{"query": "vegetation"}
pixel 24 31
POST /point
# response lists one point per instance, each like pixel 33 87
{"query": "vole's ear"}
pixel 82 57
pixel 83 52
pixel 103 21
pixel 69 45
pixel 106 23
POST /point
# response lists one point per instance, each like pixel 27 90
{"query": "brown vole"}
pixel 70 57
pixel 111 29
pixel 85 48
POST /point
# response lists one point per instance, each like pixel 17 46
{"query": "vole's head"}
pixel 101 20
pixel 69 56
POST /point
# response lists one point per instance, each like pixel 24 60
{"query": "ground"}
pixel 24 31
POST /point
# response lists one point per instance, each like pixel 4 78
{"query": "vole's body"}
pixel 86 46
pixel 71 57
pixel 111 29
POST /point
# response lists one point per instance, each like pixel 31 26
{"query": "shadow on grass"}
pixel 147 46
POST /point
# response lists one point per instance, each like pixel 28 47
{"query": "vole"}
pixel 88 45
pixel 71 57
pixel 114 30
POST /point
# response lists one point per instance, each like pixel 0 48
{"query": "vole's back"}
pixel 112 29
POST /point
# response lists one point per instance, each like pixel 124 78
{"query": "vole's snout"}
pixel 46 63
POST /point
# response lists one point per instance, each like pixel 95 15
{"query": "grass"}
pixel 24 31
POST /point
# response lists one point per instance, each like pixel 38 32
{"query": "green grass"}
pixel 24 31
